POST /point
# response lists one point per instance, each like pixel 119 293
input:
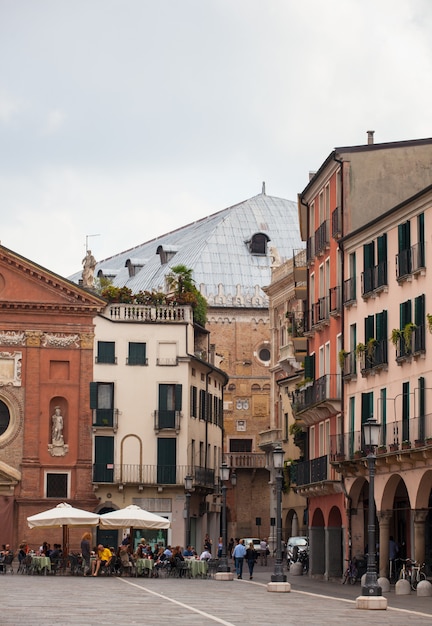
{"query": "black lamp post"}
pixel 278 459
pixel 371 435
pixel 188 488
pixel 224 476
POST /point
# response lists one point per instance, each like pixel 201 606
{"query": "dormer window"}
pixel 107 273
pixel 134 266
pixel 166 253
pixel 257 244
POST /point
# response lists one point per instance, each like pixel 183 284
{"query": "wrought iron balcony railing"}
pixel 130 474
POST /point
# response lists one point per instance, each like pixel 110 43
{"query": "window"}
pixel 258 243
pixel 57 486
pixel 202 404
pixel 102 403
pixel 170 405
pixel 419 321
pixel 403 258
pixel 193 401
pixel 4 417
pixel 106 352
pixel 166 461
pixel 103 469
pixel 240 445
pixel 264 354
pixel 137 354
pixel 366 406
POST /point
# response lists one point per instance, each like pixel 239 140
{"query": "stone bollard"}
pixel 296 569
pixel 424 588
pixel 402 588
pixel 384 583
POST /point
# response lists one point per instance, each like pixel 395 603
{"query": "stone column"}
pixel 384 518
pixel 419 535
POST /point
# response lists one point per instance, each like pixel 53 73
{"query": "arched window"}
pixel 4 417
pixel 258 243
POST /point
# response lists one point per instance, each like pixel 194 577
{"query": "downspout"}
pixel 341 248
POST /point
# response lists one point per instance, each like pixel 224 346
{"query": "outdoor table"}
pixel 197 568
pixel 143 564
pixel 41 564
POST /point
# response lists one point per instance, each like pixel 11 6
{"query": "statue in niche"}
pixel 89 265
pixel 57 426
pixel 57 447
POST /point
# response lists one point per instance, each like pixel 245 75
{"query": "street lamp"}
pixel 278 460
pixel 188 488
pixel 371 435
pixel 224 476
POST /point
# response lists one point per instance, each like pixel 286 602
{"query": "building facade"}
pixel 46 365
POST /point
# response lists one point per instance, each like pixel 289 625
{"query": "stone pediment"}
pixel 26 285
pixel 9 477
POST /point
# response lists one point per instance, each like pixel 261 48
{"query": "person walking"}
pixel 239 554
pixel 251 558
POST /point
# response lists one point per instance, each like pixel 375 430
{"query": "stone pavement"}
pixel 66 600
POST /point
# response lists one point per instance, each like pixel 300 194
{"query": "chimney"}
pixel 370 135
pixel 263 188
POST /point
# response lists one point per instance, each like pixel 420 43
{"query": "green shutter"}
pixel 309 366
pixel 106 352
pixel 137 353
pixel 93 395
pixel 104 459
pixel 166 461
pixel 420 228
pixel 366 406
pixel 178 397
pixel 382 248
pixel 422 396
pixel 419 310
pixel 404 236
pixel 369 328
pixel 368 256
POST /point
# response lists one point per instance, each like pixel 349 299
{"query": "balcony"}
pixel 336 219
pixel 146 314
pixel 418 263
pixel 335 301
pixel 322 239
pixel 167 420
pixel 300 265
pixel 318 400
pixel 374 357
pixel 315 477
pixel 105 418
pixel 349 292
pixel 374 280
pixel 269 438
pixel 349 369
pixel 320 313
pixel 297 329
pixel 245 460
pixel 404 441
pixel 151 475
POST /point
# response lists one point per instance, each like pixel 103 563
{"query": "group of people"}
pixel 241 553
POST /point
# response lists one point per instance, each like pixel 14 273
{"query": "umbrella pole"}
pixel 65 541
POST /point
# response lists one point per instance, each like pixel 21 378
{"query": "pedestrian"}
pixel 231 547
pixel 220 547
pixel 264 551
pixel 251 558
pixel 239 554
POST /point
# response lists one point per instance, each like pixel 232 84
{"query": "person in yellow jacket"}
pixel 104 556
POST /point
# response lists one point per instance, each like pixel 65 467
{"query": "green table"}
pixel 41 564
pixel 143 564
pixel 197 568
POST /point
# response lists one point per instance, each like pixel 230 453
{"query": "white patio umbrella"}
pixel 63 515
pixel 131 517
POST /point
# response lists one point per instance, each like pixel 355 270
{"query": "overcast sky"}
pixel 129 118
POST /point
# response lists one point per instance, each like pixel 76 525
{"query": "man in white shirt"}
pixel 239 553
pixel 263 551
pixel 205 555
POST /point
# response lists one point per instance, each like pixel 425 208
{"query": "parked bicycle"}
pixel 351 572
pixel 412 571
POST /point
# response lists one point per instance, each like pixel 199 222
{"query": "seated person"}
pixel 188 552
pixel 104 556
pixel 139 553
pixel 125 559
pixel 205 555
pixel 56 553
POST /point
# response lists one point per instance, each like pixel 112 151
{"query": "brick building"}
pixel 46 365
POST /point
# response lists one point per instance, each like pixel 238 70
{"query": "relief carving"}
pixel 59 340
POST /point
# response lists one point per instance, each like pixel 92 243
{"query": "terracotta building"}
pixel 46 365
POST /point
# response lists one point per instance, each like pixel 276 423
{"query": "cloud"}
pixel 54 122
pixel 9 107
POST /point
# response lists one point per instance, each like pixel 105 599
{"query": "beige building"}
pixel 157 401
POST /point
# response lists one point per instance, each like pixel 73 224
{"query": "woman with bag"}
pixel 251 557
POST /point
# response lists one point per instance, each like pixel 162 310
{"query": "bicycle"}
pixel 351 572
pixel 417 574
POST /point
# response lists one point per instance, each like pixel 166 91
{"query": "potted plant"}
pixel 428 441
pixel 360 350
pixel 429 321
pixel 341 356
pixel 370 347
pixel 396 335
pixel 406 444
pixel 407 335
pixel 393 447
pixel 419 443
pixel 381 449
pixel 358 454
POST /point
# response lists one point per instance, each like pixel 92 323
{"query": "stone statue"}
pixel 89 265
pixel 57 427
pixel 275 257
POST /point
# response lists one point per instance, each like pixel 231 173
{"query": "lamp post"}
pixel 188 488
pixel 224 572
pixel 371 433
pixel 224 476
pixel 278 459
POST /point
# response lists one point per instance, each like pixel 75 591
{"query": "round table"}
pixel 143 564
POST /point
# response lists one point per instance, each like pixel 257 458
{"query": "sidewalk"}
pixel 75 600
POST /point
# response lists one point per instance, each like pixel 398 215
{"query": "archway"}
pixel 317 543
pixel 334 556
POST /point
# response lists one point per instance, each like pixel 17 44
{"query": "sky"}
pixel 121 120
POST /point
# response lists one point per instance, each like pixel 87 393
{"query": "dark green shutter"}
pixel 309 367
pixel 106 352
pixel 93 395
pixel 137 353
pixel 166 461
pixel 382 248
pixel 419 310
pixel 369 328
pixel 368 256
pixel 404 236
pixel 178 397
pixel 104 460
